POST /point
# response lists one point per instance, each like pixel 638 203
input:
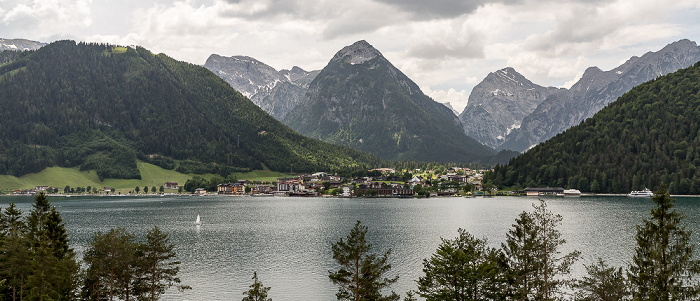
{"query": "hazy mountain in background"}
pixel 19 44
pixel 449 106
pixel 276 92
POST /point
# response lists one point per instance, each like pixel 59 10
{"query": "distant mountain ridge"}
pixel 362 101
pixel 276 92
pixel 19 44
pixel 498 105
pixel 449 106
pixel 595 90
pixel 648 136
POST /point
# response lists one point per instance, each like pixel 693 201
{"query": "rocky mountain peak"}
pixel 684 43
pixel 498 105
pixel 297 69
pixel 357 53
pixel 592 72
pixel 507 76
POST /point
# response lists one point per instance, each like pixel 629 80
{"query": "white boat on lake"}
pixel 197 222
pixel 646 193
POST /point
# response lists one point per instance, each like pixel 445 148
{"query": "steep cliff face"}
pixel 595 90
pixel 498 105
pixel 276 92
pixel 361 100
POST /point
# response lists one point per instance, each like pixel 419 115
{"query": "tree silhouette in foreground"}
pixel 536 268
pixel 464 268
pixel 603 283
pixel 361 274
pixel 257 291
pixel 663 267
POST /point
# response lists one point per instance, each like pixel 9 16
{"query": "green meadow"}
pixel 151 175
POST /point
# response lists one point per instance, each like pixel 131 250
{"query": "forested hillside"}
pixel 648 136
pixel 101 107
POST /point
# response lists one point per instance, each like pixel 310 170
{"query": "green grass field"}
pixel 151 175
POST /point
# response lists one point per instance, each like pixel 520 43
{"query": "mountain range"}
pixel 649 136
pixel 101 107
pixel 276 92
pixel 563 108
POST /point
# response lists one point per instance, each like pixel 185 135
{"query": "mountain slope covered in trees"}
pixel 101 107
pixel 648 136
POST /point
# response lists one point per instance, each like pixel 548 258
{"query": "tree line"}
pixel 36 262
pixel 529 265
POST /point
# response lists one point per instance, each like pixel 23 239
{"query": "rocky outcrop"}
pixel 276 92
pixel 498 105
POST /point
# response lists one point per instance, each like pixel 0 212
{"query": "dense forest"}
pixel 646 137
pixel 101 107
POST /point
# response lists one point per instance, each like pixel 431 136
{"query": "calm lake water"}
pixel 288 240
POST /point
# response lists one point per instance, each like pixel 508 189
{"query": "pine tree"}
pixel 603 283
pixel 257 292
pixel 536 268
pixel 14 253
pixel 157 266
pixel 464 268
pixel 54 271
pixel 110 261
pixel 663 267
pixel 361 274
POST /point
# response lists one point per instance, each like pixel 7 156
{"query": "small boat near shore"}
pixel 646 193
pixel 572 192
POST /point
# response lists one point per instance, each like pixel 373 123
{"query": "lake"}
pixel 288 240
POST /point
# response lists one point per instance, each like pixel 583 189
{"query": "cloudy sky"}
pixel 445 46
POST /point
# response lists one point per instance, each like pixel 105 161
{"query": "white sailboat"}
pixel 197 222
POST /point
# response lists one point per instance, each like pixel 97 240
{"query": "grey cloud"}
pixel 345 28
pixel 437 50
pixel 467 43
pixel 442 8
pixel 584 27
pixel 296 8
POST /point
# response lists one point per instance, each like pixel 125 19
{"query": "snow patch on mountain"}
pixel 19 44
